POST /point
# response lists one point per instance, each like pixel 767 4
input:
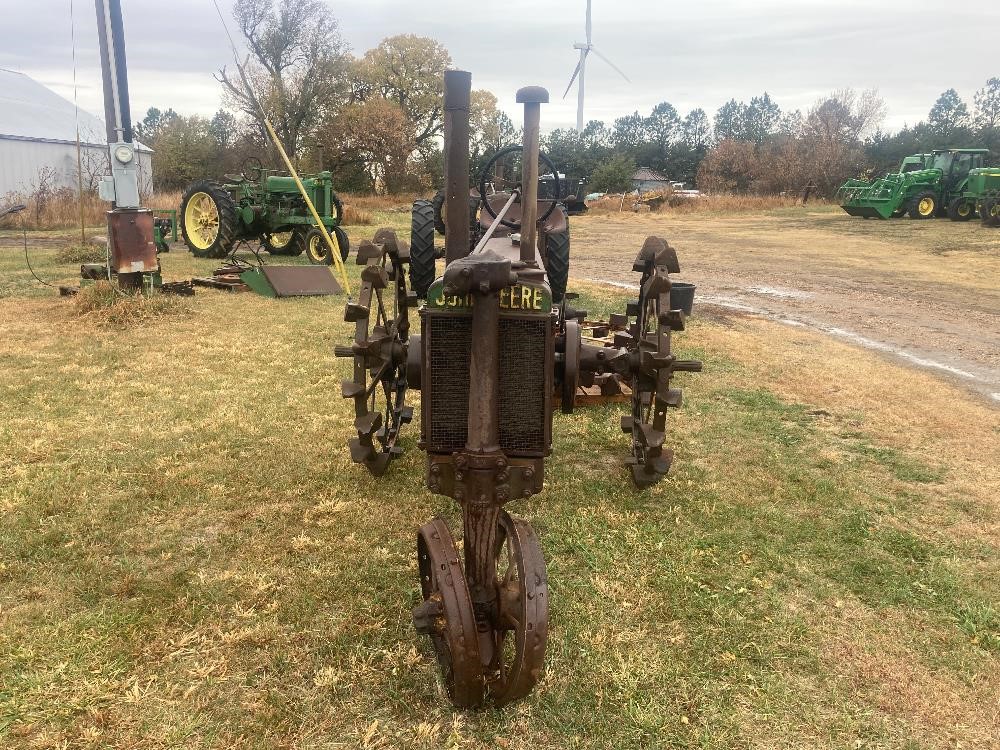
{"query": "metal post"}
pixel 111 34
pixel 457 92
pixel 130 227
pixel 532 97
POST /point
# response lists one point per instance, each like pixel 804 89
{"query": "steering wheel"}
pixel 488 170
pixel 252 165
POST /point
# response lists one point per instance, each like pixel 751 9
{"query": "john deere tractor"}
pixel 927 185
pixel 980 193
pixel 262 206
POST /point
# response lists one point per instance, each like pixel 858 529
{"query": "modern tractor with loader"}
pixel 266 207
pixel 926 186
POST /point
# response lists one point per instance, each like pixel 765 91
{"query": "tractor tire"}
pixel 960 210
pixel 343 242
pixel 281 243
pixel 313 244
pixel 338 208
pixel 989 213
pixel 899 212
pixel 557 263
pixel 923 206
pixel 438 202
pixel 474 231
pixel 209 220
pixel 422 252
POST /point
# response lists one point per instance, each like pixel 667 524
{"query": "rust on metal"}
pixel 130 237
pixel 494 356
pixel 457 95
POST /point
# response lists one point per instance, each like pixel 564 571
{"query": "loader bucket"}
pixel 291 281
pixel 868 212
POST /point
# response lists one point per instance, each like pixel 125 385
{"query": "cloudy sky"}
pixel 697 53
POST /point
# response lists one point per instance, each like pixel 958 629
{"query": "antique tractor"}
pixel 264 207
pixel 494 355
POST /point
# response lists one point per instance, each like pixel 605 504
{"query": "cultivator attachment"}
pixel 495 355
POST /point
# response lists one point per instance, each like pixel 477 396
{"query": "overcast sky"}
pixel 692 54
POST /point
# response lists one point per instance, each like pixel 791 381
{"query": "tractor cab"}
pixel 956 163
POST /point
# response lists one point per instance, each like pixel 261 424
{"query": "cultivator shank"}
pixel 494 355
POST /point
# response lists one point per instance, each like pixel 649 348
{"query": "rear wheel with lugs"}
pixel 381 338
pixel 209 220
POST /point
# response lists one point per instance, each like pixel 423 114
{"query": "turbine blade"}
pixel 617 69
pixel 590 26
pixel 576 72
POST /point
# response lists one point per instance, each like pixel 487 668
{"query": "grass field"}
pixel 189 559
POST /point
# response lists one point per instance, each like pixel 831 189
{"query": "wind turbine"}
pixel 581 67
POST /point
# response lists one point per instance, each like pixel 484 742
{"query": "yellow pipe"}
pixel 334 250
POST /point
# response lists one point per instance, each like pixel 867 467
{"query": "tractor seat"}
pixel 234 178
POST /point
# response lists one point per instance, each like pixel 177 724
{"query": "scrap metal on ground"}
pixel 493 346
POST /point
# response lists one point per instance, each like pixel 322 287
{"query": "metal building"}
pixel 38 140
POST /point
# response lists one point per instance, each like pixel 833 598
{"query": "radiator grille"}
pixel 450 346
pixel 522 384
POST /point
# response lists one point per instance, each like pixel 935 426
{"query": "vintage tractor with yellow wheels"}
pixel 263 207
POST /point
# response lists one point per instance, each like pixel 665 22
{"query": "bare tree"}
pixel 297 66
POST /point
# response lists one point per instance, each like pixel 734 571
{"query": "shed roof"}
pixel 30 110
pixel 645 174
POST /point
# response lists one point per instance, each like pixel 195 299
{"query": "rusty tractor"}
pixel 494 355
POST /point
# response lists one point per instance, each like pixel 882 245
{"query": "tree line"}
pixel 375 121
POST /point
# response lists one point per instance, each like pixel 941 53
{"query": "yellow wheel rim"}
pixel 280 240
pixel 995 210
pixel 964 209
pixel 201 221
pixel 315 247
pixel 926 206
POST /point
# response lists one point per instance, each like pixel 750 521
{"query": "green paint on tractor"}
pixel 925 186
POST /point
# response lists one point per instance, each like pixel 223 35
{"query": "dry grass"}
pixel 104 305
pixel 382 203
pixel 81 254
pixel 60 209
pixel 189 558
pixel 718 203
pixel 354 216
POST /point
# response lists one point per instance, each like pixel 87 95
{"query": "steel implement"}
pixel 499 346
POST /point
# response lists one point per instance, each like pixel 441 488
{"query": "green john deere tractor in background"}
pixel 927 185
pixel 981 194
pixel 264 206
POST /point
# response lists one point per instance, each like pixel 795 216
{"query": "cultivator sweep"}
pixel 494 355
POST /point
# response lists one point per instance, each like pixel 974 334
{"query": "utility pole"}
pixel 130 227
